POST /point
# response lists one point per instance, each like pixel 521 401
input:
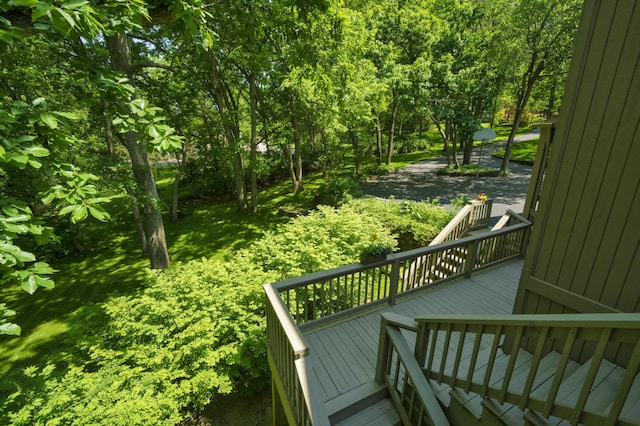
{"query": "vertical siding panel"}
pixel 563 200
pixel 598 219
pixel 586 238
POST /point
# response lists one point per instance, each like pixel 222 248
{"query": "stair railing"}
pixel 441 342
pixel 397 367
pixel 474 215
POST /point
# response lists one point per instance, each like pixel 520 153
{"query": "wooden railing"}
pixel 324 295
pixel 442 341
pixel 474 215
pixel 397 367
pixel 290 366
pixel 327 293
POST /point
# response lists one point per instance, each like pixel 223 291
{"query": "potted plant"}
pixel 482 197
pixel 375 252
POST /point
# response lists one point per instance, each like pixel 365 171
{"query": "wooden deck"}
pixel 344 352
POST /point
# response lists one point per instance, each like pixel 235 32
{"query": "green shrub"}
pixel 336 191
pixel 193 332
pixel 415 223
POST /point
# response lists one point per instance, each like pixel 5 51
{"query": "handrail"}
pixel 413 398
pixel 600 334
pixel 290 365
pixel 327 293
pixel 474 215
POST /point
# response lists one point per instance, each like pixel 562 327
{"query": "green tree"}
pixel 544 30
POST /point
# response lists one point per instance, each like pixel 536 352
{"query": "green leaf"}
pixel 69 115
pixel 30 285
pixel 99 213
pixel 36 151
pixel 80 213
pixel 42 268
pixel 25 3
pixel 49 119
pixel 10 329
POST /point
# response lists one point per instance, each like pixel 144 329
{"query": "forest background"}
pixel 118 116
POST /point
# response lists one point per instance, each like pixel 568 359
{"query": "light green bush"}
pixel 196 330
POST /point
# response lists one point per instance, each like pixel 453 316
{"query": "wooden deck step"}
pixel 349 404
pixel 381 413
pixel 631 410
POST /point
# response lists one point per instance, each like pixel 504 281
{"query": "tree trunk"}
pixel 182 162
pixel 356 149
pixel 468 148
pixel 253 161
pixel 296 164
pixel 378 138
pixel 392 130
pixel 453 137
pixel 526 86
pixel 445 139
pixel 226 107
pixel 120 55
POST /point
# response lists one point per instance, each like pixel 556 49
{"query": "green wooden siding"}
pixel 584 252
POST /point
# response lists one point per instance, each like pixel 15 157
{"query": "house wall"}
pixel 584 252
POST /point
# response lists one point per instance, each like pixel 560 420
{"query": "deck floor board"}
pixel 344 352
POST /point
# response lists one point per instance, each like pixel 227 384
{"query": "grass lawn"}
pixel 522 152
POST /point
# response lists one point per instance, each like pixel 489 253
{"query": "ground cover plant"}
pixel 163 345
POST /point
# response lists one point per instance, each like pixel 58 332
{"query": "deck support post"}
pixel 276 405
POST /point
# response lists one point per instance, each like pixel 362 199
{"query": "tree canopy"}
pixel 241 93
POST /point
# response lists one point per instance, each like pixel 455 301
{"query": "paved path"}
pixel 419 181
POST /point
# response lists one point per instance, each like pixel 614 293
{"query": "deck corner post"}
pixel 395 281
pixel 383 351
pixel 470 261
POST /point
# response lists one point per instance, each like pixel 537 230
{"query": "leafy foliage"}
pixel 31 136
pixel 195 331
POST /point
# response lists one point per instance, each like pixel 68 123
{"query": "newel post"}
pixel 383 351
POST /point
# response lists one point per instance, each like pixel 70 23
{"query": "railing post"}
pixel 422 344
pixel 470 261
pixel 395 281
pixel 383 351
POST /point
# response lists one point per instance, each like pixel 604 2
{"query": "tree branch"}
pixel 149 64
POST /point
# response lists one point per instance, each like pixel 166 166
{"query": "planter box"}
pixel 373 258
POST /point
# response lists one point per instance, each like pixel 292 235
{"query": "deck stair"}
pixel 496 381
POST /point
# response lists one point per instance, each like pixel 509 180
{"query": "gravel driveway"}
pixel 419 181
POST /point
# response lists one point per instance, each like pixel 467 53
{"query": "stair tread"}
pixel 381 413
pixel 570 388
pixel 631 409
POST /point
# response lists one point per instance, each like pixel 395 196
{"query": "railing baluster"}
pixel 618 403
pixel 432 349
pixel 445 350
pixel 557 379
pixel 474 358
pixel 535 363
pixel 456 363
pixel 513 356
pixel 492 359
pixel 596 362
